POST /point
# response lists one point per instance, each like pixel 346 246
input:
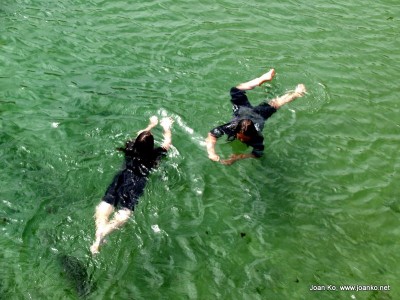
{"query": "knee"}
pixel 123 215
pixel 104 209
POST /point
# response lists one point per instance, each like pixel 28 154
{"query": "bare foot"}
pixel 268 76
pixel 99 240
pixel 300 90
pixel 94 248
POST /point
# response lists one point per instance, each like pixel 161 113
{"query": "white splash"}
pixel 178 120
pixel 155 228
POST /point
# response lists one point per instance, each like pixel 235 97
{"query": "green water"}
pixel 77 78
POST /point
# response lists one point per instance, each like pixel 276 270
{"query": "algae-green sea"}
pixel 77 78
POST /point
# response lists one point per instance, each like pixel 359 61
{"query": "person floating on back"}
pixel 128 185
pixel 248 121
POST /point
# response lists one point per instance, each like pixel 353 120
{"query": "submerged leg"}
pixel 288 97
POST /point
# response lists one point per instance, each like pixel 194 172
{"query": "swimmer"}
pixel 128 185
pixel 248 121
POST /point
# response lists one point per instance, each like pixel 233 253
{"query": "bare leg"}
pixel 249 85
pixel 103 212
pixel 288 97
pixel 104 227
pixel 120 218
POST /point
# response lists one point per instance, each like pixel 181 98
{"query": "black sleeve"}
pixel 228 129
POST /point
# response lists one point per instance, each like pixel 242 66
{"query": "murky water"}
pixel 77 78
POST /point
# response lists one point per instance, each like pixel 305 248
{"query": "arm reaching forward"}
pixel 210 143
pixel 153 121
pixel 166 124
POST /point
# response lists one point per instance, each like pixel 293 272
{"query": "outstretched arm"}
pixel 153 121
pixel 166 124
pixel 249 85
pixel 210 143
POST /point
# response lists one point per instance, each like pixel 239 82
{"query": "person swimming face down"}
pixel 246 131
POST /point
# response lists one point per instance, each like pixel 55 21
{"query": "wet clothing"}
pixel 242 109
pixel 129 183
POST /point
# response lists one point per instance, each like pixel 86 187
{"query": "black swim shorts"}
pixel 125 189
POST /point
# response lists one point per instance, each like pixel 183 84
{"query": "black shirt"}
pixel 230 130
pixel 142 167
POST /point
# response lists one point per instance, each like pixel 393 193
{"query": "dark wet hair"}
pixel 140 155
pixel 246 127
pixel 142 147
